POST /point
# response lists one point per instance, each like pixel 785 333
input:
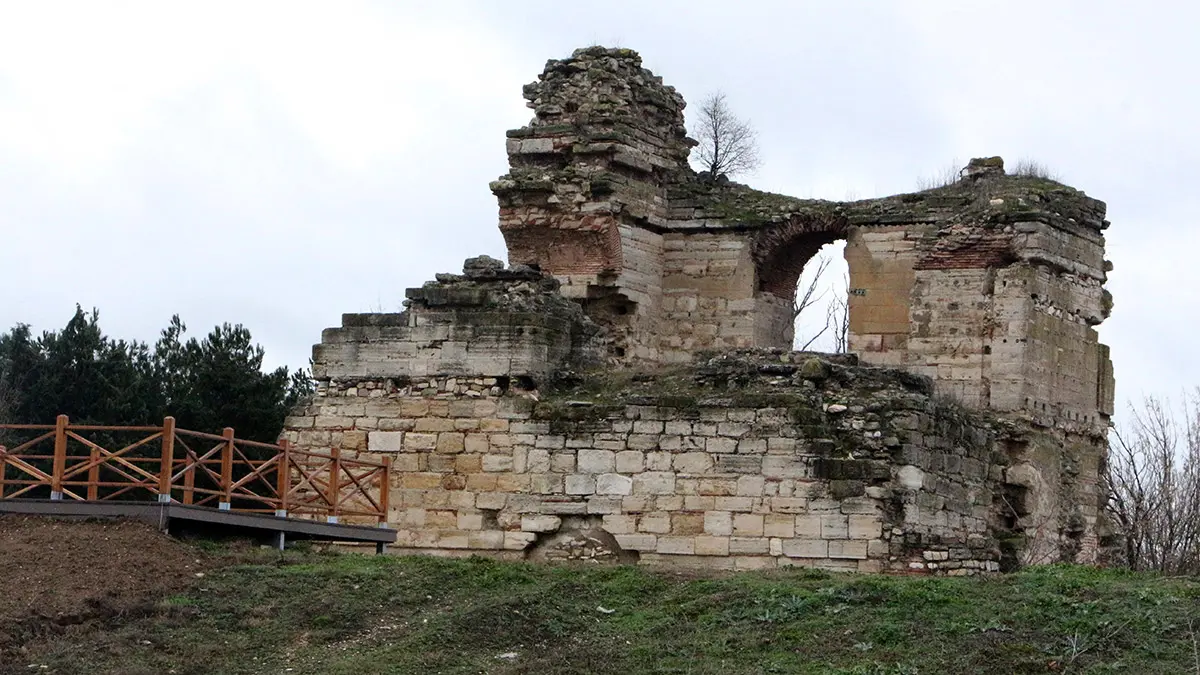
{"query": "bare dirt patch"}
pixel 59 573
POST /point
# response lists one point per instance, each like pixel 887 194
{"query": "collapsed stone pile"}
pixel 486 282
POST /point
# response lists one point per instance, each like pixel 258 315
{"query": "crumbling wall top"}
pixel 599 86
pixel 983 195
pixel 486 283
pixel 488 321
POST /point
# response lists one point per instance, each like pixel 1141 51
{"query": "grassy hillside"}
pixel 351 614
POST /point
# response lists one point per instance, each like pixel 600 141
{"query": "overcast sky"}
pixel 278 163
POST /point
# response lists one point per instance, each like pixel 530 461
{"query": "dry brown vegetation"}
pixel 1154 478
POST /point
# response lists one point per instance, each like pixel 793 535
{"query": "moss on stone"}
pixel 967 200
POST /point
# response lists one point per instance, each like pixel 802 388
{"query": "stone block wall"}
pixel 985 286
pixel 625 391
pixel 990 285
pixel 489 322
pixel 583 196
pixel 708 295
pixel 750 461
pixel 881 291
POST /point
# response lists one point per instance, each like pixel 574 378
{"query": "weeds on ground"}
pixel 1031 168
pixel 357 615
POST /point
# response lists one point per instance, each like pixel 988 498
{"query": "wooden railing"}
pixel 167 464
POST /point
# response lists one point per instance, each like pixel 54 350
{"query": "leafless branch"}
pixel 946 176
pixel 839 317
pixel 1031 168
pixel 728 145
pixel 813 339
pixel 1153 478
pixel 810 295
pixel 837 312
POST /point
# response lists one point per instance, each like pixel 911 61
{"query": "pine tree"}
pixel 205 384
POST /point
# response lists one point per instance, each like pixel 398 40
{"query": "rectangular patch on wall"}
pixel 739 464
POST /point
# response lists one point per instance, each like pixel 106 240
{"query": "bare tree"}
pixel 728 145
pixel 1153 476
pixel 837 312
pixel 837 317
pixel 810 295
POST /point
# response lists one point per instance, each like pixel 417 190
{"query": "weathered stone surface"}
pixel 543 465
pixel 991 285
pixel 385 441
pixel 596 461
pixel 534 523
pixel 614 484
pixel 624 387
pixel 487 322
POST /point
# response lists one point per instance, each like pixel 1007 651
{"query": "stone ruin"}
pixel 625 390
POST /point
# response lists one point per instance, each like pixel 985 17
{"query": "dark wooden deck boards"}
pixel 162 516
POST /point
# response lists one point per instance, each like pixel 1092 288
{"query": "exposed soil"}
pixel 56 573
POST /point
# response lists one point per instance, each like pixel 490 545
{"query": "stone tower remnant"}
pixel 625 389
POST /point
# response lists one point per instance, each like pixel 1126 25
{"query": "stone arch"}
pixel 780 254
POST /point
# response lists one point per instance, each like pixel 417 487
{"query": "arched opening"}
pixel 779 271
pixel 801 272
pixel 821 305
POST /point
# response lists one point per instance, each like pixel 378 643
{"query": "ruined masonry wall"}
pixel 583 196
pixel 490 320
pixel 708 295
pixel 567 406
pixel 990 285
pixel 509 436
pixel 882 260
pixel 875 482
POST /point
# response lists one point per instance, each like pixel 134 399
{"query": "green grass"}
pixel 358 615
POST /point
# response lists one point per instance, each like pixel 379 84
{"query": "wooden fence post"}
pixel 167 464
pixel 60 458
pixel 3 464
pixel 283 477
pixel 93 475
pixel 385 483
pixel 189 480
pixel 227 469
pixel 333 492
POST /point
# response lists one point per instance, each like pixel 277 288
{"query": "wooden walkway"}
pixel 167 475
pixel 171 517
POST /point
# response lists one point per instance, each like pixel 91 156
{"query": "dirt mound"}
pixel 59 572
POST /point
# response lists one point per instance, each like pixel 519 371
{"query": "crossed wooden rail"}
pixel 190 467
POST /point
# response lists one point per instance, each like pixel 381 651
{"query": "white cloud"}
pixel 84 80
pixel 267 163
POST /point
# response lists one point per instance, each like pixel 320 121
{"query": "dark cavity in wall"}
pixel 581 539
